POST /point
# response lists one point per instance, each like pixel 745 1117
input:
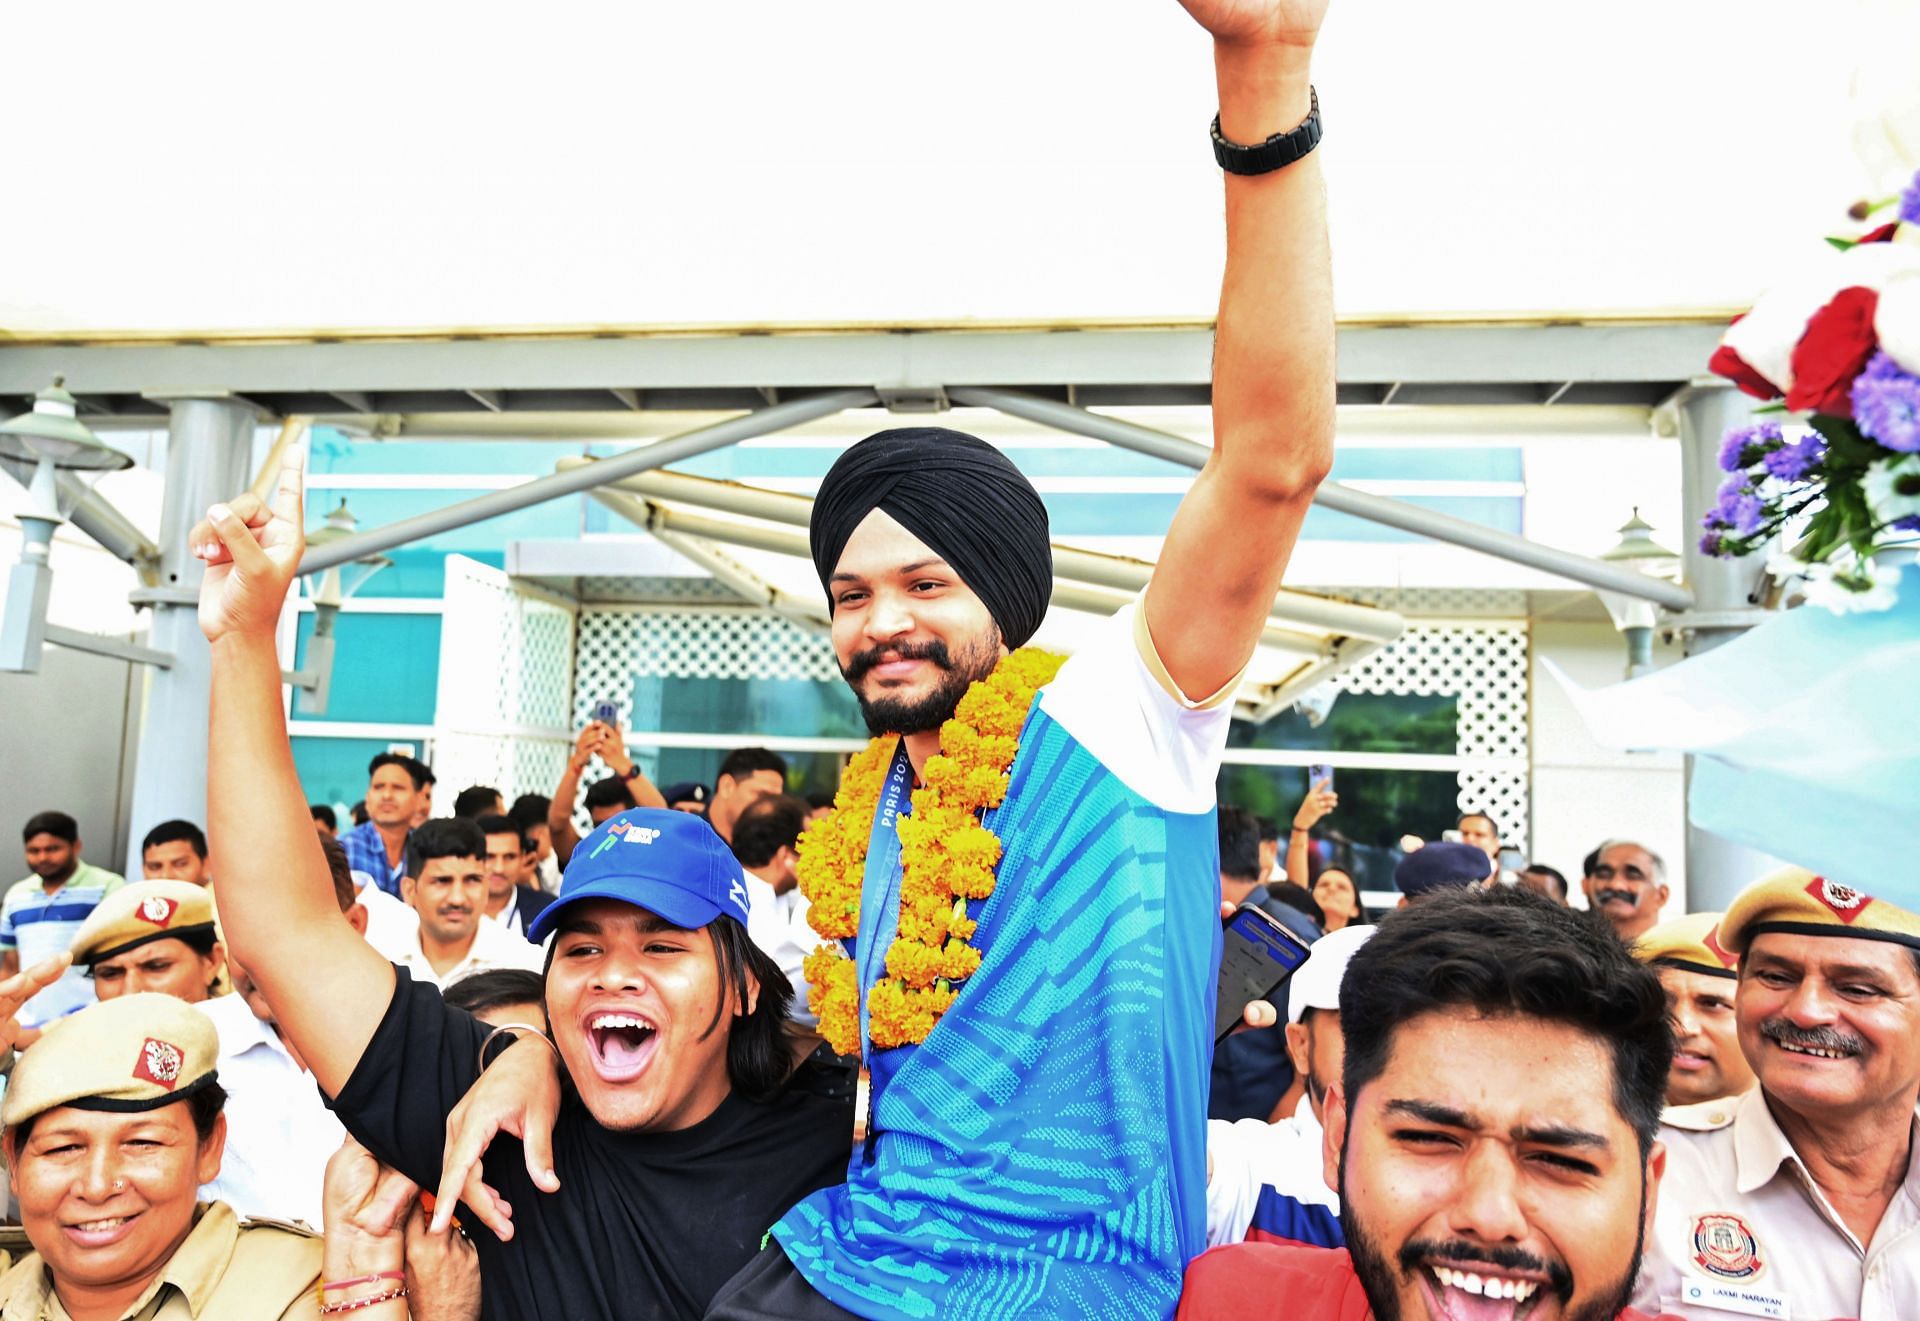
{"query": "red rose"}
pixel 1884 234
pixel 1833 350
pixel 1725 362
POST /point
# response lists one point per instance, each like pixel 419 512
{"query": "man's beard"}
pixel 886 714
pixel 1381 1279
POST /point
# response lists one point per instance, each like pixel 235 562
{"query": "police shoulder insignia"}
pixel 1724 1246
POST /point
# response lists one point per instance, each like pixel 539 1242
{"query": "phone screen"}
pixel 1258 955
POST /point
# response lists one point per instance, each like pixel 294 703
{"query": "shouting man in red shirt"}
pixel 1493 1135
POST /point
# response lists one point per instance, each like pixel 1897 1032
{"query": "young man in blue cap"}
pixel 679 1142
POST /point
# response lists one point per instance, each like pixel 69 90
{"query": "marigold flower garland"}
pixel 946 858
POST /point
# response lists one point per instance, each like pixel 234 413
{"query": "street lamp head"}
pixel 1638 548
pixel 329 588
pixel 52 433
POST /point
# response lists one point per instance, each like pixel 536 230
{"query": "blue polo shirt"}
pixel 37 925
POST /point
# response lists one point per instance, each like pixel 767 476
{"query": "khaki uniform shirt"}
pixel 223 1271
pixel 1743 1230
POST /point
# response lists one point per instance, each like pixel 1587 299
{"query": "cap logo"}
pixel 641 834
pixel 1713 946
pixel 157 910
pixel 1724 1246
pixel 737 893
pixel 159 1063
pixel 1843 902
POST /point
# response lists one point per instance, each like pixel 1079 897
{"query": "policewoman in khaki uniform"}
pixel 111 1124
pixel 153 936
pixel 1801 1199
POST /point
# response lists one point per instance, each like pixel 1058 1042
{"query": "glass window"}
pixel 1376 808
pixel 1362 722
pixel 386 668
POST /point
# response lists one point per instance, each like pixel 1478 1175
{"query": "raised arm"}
pixel 328 988
pixel 560 807
pixel 1272 361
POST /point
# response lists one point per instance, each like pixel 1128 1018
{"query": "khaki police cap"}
pixel 131 1053
pixel 1691 943
pixel 1797 902
pixel 136 914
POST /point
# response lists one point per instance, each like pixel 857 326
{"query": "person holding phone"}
pixel 1334 888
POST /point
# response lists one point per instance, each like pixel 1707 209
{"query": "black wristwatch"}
pixel 1277 152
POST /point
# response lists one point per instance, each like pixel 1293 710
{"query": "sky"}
pixel 250 167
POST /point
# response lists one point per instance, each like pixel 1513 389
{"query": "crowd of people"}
pixel 945 1044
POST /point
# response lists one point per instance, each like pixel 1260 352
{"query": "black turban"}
pixel 961 496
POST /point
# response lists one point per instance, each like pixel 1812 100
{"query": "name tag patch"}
pixel 1745 1300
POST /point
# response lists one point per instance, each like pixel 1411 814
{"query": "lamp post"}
pixel 52 439
pixel 1632 615
pixel 329 589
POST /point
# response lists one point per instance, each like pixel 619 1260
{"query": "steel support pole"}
pixel 574 480
pixel 1332 495
pixel 209 444
pixel 1717 868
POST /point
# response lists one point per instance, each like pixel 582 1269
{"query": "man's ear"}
pixel 1664 893
pixel 1299 1048
pixel 1656 1171
pixel 357 917
pixel 1333 1134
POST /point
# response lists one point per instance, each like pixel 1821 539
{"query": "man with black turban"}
pixel 1038 1046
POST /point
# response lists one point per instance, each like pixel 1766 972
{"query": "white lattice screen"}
pixel 621 643
pixel 1485 665
pixel 506 685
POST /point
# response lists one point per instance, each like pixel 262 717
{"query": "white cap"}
pixel 1317 984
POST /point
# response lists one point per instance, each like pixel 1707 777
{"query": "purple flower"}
pixel 1886 404
pixel 1743 446
pixel 1911 523
pixel 1795 462
pixel 1711 544
pixel 1738 508
pixel 1910 202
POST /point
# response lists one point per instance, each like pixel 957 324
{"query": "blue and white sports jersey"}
pixel 38 925
pixel 1043 1152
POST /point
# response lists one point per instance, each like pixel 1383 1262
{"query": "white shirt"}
pixel 1741 1228
pixel 777 923
pixel 391 925
pixel 493 947
pixel 279 1132
pixel 1248 1154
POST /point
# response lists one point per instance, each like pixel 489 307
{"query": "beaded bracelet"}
pixel 394 1295
pixel 375 1278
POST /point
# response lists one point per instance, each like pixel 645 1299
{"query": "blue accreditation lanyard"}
pixel 880 887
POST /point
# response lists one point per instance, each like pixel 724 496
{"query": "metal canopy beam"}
pixel 1517 363
pixel 585 477
pixel 1593 573
pixel 95 515
pixel 692 535
pixel 1293 611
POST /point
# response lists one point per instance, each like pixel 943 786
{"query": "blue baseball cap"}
pixel 670 863
pixel 1441 865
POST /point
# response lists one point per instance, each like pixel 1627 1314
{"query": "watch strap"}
pixel 1277 152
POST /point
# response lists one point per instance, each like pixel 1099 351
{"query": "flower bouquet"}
pixel 1835 457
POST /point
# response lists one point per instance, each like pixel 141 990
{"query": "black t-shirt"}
pixel 644 1224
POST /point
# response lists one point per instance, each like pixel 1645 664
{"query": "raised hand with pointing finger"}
pixel 252 551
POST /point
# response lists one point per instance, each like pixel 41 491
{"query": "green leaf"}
pixel 1766 409
pixel 1844 245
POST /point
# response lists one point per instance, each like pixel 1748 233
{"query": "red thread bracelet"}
pixel 363 1279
